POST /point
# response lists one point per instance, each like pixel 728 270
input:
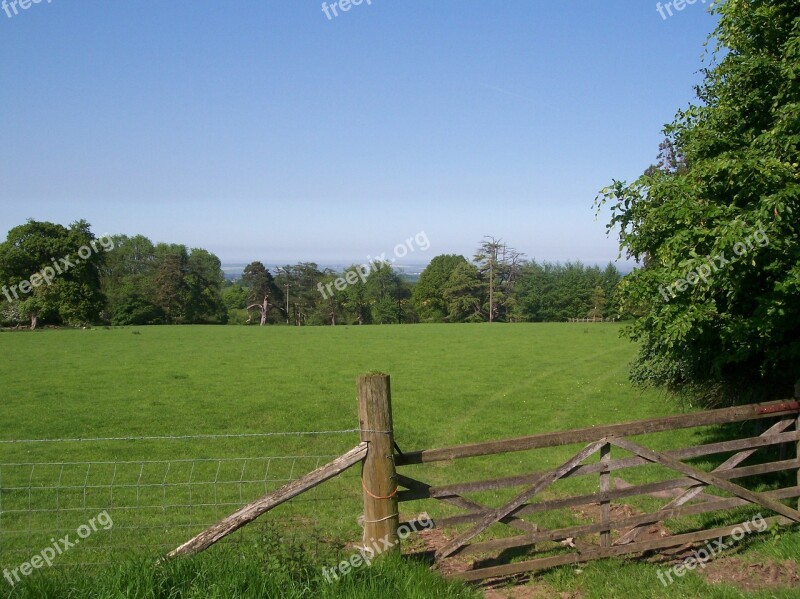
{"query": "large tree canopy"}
pixel 51 271
pixel 429 292
pixel 60 274
pixel 715 224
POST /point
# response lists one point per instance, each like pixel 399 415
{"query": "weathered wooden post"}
pixel 797 428
pixel 605 487
pixel 378 475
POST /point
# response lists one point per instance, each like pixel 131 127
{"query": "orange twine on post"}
pixel 368 492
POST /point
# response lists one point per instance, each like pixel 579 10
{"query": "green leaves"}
pixel 71 293
pixel 727 181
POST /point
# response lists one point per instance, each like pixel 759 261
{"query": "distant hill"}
pixel 409 272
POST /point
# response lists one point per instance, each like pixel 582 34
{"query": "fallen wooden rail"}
pixel 253 510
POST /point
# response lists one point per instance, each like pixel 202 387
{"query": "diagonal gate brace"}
pixel 697 490
pixel 465 503
pixel 707 477
pixel 541 483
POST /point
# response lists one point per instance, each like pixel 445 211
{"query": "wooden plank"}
pixel 467 504
pixel 720 416
pixel 605 487
pixel 797 429
pixel 253 510
pixel 452 546
pixel 694 452
pixel 666 494
pixel 523 540
pixel 621 493
pixel 694 491
pixel 585 556
pixel 706 477
pixel 511 521
pixel 614 465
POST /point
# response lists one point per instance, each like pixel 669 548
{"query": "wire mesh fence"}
pixel 153 505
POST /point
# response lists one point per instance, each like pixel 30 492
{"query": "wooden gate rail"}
pixel 600 553
pixel 586 435
pixel 709 479
pixel 619 493
pixel 586 529
pixel 583 470
pixel 685 494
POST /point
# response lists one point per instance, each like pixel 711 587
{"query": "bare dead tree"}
pixel 263 307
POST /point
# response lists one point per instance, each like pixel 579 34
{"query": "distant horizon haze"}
pixel 267 129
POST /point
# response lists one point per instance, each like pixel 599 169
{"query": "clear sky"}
pixel 265 130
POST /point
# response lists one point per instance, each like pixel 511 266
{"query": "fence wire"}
pixel 154 504
pixel 180 437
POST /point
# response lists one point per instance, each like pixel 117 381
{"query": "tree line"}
pixel 134 281
pixel 498 285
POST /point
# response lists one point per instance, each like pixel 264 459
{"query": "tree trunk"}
pixel 491 291
pixel 264 308
pixel 34 320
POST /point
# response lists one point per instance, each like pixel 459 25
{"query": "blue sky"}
pixel 264 130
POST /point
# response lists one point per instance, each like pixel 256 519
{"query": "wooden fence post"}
pixel 605 487
pixel 797 428
pixel 378 475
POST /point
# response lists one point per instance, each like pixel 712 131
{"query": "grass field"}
pixel 450 384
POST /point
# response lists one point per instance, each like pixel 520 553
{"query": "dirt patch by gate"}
pixel 752 576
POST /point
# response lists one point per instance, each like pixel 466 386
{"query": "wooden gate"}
pixel 612 534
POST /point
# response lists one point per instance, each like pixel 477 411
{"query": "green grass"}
pixel 263 573
pixel 450 384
